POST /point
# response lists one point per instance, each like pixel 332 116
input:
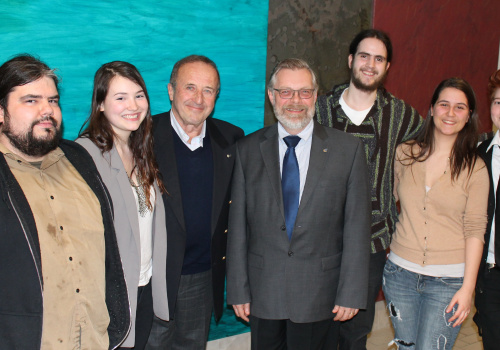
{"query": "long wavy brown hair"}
pixel 99 130
pixel 463 154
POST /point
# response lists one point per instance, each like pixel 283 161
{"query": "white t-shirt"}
pixel 355 116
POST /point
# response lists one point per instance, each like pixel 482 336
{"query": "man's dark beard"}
pixel 367 88
pixel 30 145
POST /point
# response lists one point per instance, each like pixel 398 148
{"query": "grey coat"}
pixel 126 223
pixel 326 262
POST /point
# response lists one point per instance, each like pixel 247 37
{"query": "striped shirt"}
pixel 390 122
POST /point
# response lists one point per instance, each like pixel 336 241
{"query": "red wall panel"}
pixel 437 39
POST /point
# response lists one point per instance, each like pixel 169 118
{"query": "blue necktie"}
pixel 290 184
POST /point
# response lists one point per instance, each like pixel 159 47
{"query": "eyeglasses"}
pixel 289 93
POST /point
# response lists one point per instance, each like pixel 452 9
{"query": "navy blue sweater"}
pixel 196 177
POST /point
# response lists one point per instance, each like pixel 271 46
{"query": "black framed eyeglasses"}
pixel 289 93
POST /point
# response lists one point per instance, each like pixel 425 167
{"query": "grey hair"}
pixel 293 64
pixel 192 59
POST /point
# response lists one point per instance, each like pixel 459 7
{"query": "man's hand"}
pixel 344 313
pixel 242 311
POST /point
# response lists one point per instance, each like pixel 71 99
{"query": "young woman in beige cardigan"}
pixel 442 187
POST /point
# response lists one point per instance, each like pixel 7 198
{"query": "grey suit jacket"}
pixel 326 262
pixel 126 223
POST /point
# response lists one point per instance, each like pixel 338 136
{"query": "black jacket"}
pixel 486 156
pixel 21 282
pixel 223 136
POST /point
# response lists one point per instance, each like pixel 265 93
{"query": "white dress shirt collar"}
pixel 304 134
pixel 495 141
pixel 196 142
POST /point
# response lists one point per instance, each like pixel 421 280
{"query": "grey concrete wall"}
pixel 318 31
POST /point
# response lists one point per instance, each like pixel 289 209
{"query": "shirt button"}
pixel 61 228
pixel 78 290
pixel 51 197
pixel 70 258
pixel 290 253
pixel 283 227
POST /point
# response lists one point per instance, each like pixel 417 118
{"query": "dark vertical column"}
pixel 317 31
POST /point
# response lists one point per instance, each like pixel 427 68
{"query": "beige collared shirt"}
pixel 71 235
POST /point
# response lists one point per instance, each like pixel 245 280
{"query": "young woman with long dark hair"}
pixel 442 187
pixel 118 136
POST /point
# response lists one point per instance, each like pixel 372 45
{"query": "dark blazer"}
pixel 491 199
pixel 223 135
pixel 326 262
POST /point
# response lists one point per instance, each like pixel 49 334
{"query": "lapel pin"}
pixel 325 150
pixel 228 155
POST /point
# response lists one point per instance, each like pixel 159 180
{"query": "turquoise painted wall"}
pixel 78 36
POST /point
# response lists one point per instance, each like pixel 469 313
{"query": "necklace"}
pixel 141 195
pixel 447 163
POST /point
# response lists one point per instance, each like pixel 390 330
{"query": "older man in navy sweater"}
pixel 195 156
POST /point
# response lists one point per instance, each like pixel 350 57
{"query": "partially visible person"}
pixel 62 284
pixel 381 121
pixel 195 154
pixel 298 241
pixel 487 299
pixel 119 138
pixel 442 187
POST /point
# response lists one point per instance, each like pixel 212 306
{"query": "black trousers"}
pixel 487 303
pixel 143 316
pixel 352 334
pixel 287 335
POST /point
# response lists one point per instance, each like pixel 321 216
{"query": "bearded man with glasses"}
pixel 299 222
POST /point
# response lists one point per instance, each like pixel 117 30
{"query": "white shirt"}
pixel 495 173
pixel 448 270
pixel 146 239
pixel 355 116
pixel 302 151
pixel 196 142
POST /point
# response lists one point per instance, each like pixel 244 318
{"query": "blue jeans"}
pixel 417 305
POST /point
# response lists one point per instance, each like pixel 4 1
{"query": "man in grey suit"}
pixel 299 222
